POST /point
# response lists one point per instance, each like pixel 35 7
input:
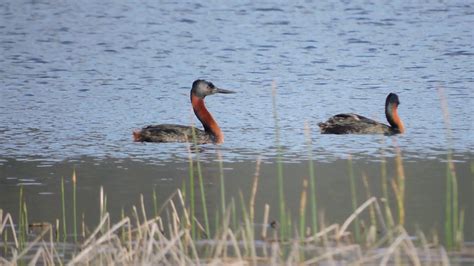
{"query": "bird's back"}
pixel 171 133
pixel 353 124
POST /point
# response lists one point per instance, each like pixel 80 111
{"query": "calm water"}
pixel 77 78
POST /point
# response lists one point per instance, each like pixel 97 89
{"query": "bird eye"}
pixel 211 85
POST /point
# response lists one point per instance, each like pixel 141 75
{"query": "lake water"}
pixel 78 77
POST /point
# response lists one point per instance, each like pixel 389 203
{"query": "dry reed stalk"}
pixel 137 219
pixel 266 213
pixel 47 256
pixel 235 244
pixel 405 243
pixel 149 246
pixel 31 244
pixel 106 236
pixel 245 240
pixel 199 225
pixel 175 212
pixel 330 255
pixel 193 247
pixel 83 231
pixel 444 256
pixel 303 207
pixel 410 249
pixel 354 215
pixel 170 245
pixel 101 202
pixel 34 260
pixel 392 248
pixel 225 225
pixel 424 244
pixel 186 215
pixel 254 189
pixel 219 248
pixel 323 232
pixel 96 231
pixel 142 203
pixel 294 256
pixel 325 240
pixel 8 219
pixel 400 193
pixel 276 255
pixel 165 203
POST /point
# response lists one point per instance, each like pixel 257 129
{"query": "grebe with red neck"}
pixel 212 133
pixel 357 124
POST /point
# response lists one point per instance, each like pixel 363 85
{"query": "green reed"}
pixel 203 194
pixel 454 224
pixel 312 180
pixel 155 201
pixel 21 226
pixel 221 179
pixel 371 234
pixel 63 205
pixel 353 197
pixel 24 224
pixel 191 192
pixel 398 185
pixel 74 206
pixel 201 183
pixel 281 193
pixel 383 174
pixel 448 224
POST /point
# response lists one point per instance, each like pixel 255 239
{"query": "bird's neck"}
pixel 391 112
pixel 210 125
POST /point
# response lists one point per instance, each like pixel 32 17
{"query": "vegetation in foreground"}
pixel 173 234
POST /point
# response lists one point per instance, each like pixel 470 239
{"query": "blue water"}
pixel 78 77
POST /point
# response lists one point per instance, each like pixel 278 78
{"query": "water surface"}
pixel 77 78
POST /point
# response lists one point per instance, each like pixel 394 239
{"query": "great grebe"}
pixel 179 133
pixel 357 124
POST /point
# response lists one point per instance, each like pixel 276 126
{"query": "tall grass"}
pixel 312 179
pixel 454 223
pixel 63 207
pixel 201 184
pixel 221 179
pixel 135 240
pixel 191 191
pixel 398 185
pixel 74 204
pixel 281 192
pixel 353 197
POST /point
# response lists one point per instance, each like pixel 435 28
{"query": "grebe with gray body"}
pixel 357 124
pixel 179 133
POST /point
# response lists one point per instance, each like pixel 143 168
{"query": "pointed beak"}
pixel 218 90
